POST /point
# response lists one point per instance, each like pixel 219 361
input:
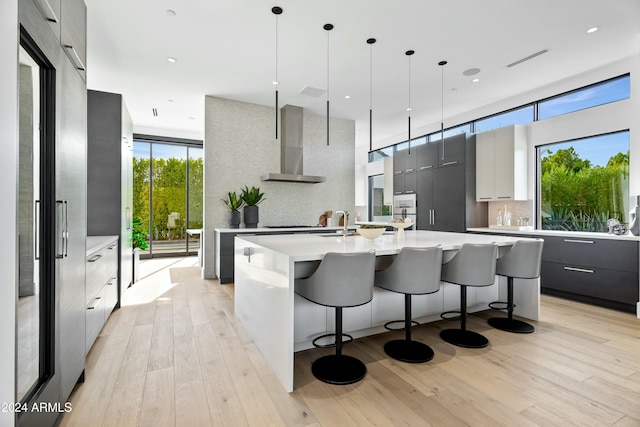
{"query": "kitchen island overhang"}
pixel 281 322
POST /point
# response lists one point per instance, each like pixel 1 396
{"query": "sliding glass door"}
pixel 167 193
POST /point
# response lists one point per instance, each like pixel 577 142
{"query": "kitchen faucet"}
pixel 346 221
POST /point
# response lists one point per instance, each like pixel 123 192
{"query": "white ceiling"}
pixel 227 49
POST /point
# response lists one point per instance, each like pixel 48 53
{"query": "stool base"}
pixel 408 351
pixel 338 370
pixel 464 338
pixel 511 325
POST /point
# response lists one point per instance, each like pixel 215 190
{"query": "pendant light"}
pixel 370 42
pixel 409 53
pixel 442 64
pixel 328 27
pixel 276 10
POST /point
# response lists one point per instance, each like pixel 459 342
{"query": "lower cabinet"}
pixel 602 272
pixel 101 287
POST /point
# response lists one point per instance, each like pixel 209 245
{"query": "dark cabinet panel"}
pixel 596 283
pixel 452 152
pixel 73 32
pixel 398 183
pixel 427 156
pixel 409 183
pixel 449 199
pixel 424 199
pixel 585 251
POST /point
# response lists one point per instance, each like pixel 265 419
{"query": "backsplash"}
pixel 517 209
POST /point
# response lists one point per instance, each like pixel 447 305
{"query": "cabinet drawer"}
pixel 110 296
pixel 94 319
pixel 599 253
pixel 604 284
pixel 102 265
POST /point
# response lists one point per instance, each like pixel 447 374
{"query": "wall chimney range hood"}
pixel 291 149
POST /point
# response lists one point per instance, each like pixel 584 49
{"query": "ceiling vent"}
pixel 312 91
pixel 533 55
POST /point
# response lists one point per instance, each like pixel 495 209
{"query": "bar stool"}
pixel 521 262
pixel 341 280
pixel 472 265
pixel 414 271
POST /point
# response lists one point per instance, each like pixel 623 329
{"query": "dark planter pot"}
pixel 251 216
pixel 234 220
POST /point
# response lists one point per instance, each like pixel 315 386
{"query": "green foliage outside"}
pixel 139 234
pixel 577 196
pixel 169 193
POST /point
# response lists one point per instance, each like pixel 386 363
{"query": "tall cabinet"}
pixel 59 205
pixel 110 176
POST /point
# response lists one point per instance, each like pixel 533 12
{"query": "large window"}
pixel 590 96
pixel 167 194
pixel 585 182
pixel 518 116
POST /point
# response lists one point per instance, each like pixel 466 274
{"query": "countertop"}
pixel 273 230
pixel 542 233
pixel 305 247
pixel 95 243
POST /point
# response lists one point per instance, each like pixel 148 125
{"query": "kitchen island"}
pixel 281 322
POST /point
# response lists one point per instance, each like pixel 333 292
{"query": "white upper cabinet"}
pixel 501 164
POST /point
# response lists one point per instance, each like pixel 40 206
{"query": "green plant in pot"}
pixel 251 198
pixel 234 202
pixel 139 234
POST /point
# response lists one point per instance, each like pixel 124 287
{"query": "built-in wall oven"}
pixel 404 206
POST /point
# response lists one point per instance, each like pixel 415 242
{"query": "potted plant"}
pixel 138 241
pixel 234 202
pixel 251 198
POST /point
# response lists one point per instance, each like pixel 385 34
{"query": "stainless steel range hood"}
pixel 291 150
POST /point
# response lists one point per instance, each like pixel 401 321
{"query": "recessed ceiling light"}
pixel 171 59
pixel 275 83
pixel 347 97
pixel 170 100
pixel 475 80
pixel 408 109
pixel 171 12
pixel 191 118
pixel 592 30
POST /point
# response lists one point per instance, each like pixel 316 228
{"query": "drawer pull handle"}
pixel 409 192
pixel 485 198
pixel 449 163
pixel 579 241
pixel 112 247
pixel 426 167
pixel 75 58
pixel 409 170
pixel 94 258
pixel 504 197
pixel 398 172
pixel 580 270
pixel 95 304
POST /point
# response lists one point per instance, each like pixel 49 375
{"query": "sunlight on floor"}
pixel 155 279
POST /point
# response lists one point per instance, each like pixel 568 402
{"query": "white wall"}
pixel 239 147
pixel 8 177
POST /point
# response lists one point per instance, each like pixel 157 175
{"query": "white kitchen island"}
pixel 281 322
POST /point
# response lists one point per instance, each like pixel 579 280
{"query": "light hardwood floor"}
pixel 175 355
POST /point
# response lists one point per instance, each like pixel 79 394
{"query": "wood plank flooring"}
pixel 175 355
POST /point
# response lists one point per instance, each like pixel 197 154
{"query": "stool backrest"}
pixel 522 261
pixel 413 271
pixel 341 280
pixel 473 265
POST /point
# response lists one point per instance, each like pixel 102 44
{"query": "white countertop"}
pixel 542 233
pixel 273 230
pixel 95 243
pixel 306 247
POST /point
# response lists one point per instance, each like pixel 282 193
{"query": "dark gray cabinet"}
pixel 453 150
pixel 110 176
pixel 404 171
pixel 598 271
pixel 445 194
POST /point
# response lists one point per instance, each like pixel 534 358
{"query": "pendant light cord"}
pixel 442 64
pixel 328 27
pixel 409 53
pixel 371 41
pixel 276 10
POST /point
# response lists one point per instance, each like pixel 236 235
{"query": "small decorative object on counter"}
pixel 499 218
pixel 251 198
pixel 234 202
pixel 615 227
pixel 371 232
pixel 400 225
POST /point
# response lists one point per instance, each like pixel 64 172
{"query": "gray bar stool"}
pixel 341 280
pixel 521 262
pixel 414 271
pixel 472 265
